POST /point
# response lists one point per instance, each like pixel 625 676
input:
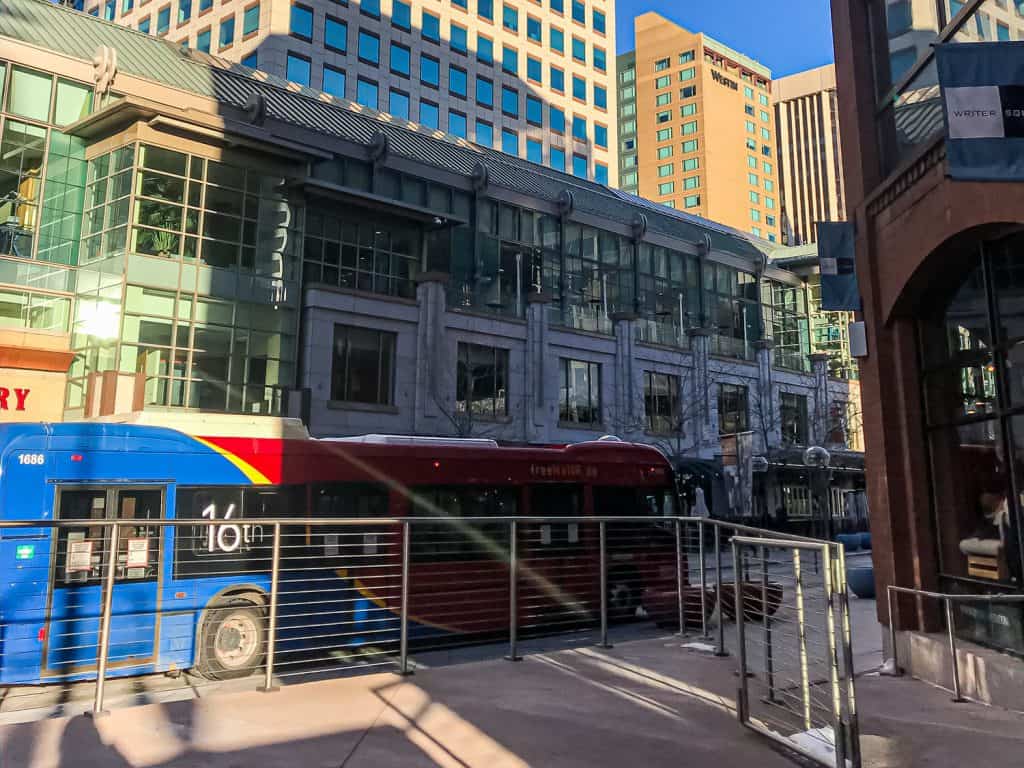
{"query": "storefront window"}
pixel 22 148
pixel 975 415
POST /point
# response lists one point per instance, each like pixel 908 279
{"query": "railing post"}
pixel 852 722
pixel 769 662
pixel 951 631
pixel 403 630
pixel 603 543
pixel 275 574
pixel 513 592
pixel 104 639
pixel 742 702
pixel 805 683
pixel 681 603
pixel 720 648
pixel 703 581
pixel 892 631
pixel 838 729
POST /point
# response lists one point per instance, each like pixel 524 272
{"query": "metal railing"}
pixel 794 647
pixel 947 601
pixel 289 597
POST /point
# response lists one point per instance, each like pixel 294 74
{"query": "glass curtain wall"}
pixel 187 280
pixel 785 309
pixel 733 309
pixel 830 334
pixel 669 299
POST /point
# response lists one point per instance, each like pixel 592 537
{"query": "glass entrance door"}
pixel 83 554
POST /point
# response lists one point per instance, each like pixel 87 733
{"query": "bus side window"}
pixel 342 546
pixel 557 501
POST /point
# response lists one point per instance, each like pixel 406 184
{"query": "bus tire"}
pixel 232 640
pixel 623 594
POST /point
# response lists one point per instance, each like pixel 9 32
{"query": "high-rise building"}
pixel 704 127
pixel 810 154
pixel 530 79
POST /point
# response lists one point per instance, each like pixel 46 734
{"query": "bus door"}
pixel 78 574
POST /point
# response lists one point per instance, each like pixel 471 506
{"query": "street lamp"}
pixel 817 460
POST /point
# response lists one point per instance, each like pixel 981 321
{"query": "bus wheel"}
pixel 623 595
pixel 233 641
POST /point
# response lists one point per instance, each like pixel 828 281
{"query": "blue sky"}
pixel 787 36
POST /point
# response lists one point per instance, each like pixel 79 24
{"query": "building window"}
pixel 534 69
pixel 203 44
pixel 664 134
pixel 485 49
pixel 163 21
pixel 691 182
pixel 297 68
pixel 691 201
pixel 430 71
pixel 687 74
pixel 601 173
pixel 510 18
pixel 600 60
pixel 793 418
pixel 362 369
pixel 557 39
pixel 691 164
pixel 534 151
pixel 484 133
pixel 579 50
pixel 534 111
pixel 369 48
pixel 509 142
pixel 336 35
pixel 185 11
pixel 457 81
pixel 686 57
pixel 690 145
pixel 579 128
pixel 661 403
pixel 227 32
pixel 579 12
pixel 557 79
pixel 600 97
pixel 366 93
pixel 370 8
pixel 663 82
pixel 431 27
pixel 484 92
pixel 251 21
pixel 430 114
pixel 688 92
pixel 662 99
pixel 579 88
pixel 667 188
pixel 334 81
pixel 144 25
pixel 598 21
pixel 510 60
pixel 666 170
pixel 401 15
pixel 732 409
pixel 457 123
pixel 534 29
pixel 558 6
pixel 398 104
pixel 688 110
pixel 556 120
pixel 663 117
pixel 661 65
pixel 665 152
pixel 458 39
pixel 556 159
pixel 579 166
pixel 600 135
pixel 301 22
pixel 485 9
pixel 481 387
pixel 509 101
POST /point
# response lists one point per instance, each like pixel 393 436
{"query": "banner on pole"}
pixel 837 266
pixel 982 88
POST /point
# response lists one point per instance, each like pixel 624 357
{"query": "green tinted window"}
pixel 30 94
pixel 73 102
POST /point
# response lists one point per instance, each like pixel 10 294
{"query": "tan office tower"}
pixel 810 152
pixel 705 131
pixel 528 78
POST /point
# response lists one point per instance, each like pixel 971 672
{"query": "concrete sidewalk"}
pixel 647 702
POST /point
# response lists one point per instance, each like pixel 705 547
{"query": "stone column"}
pixel 628 419
pixel 541 409
pixel 769 427
pixel 819 368
pixel 431 369
pixel 702 426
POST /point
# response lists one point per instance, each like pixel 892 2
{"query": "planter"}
pixel 861 581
